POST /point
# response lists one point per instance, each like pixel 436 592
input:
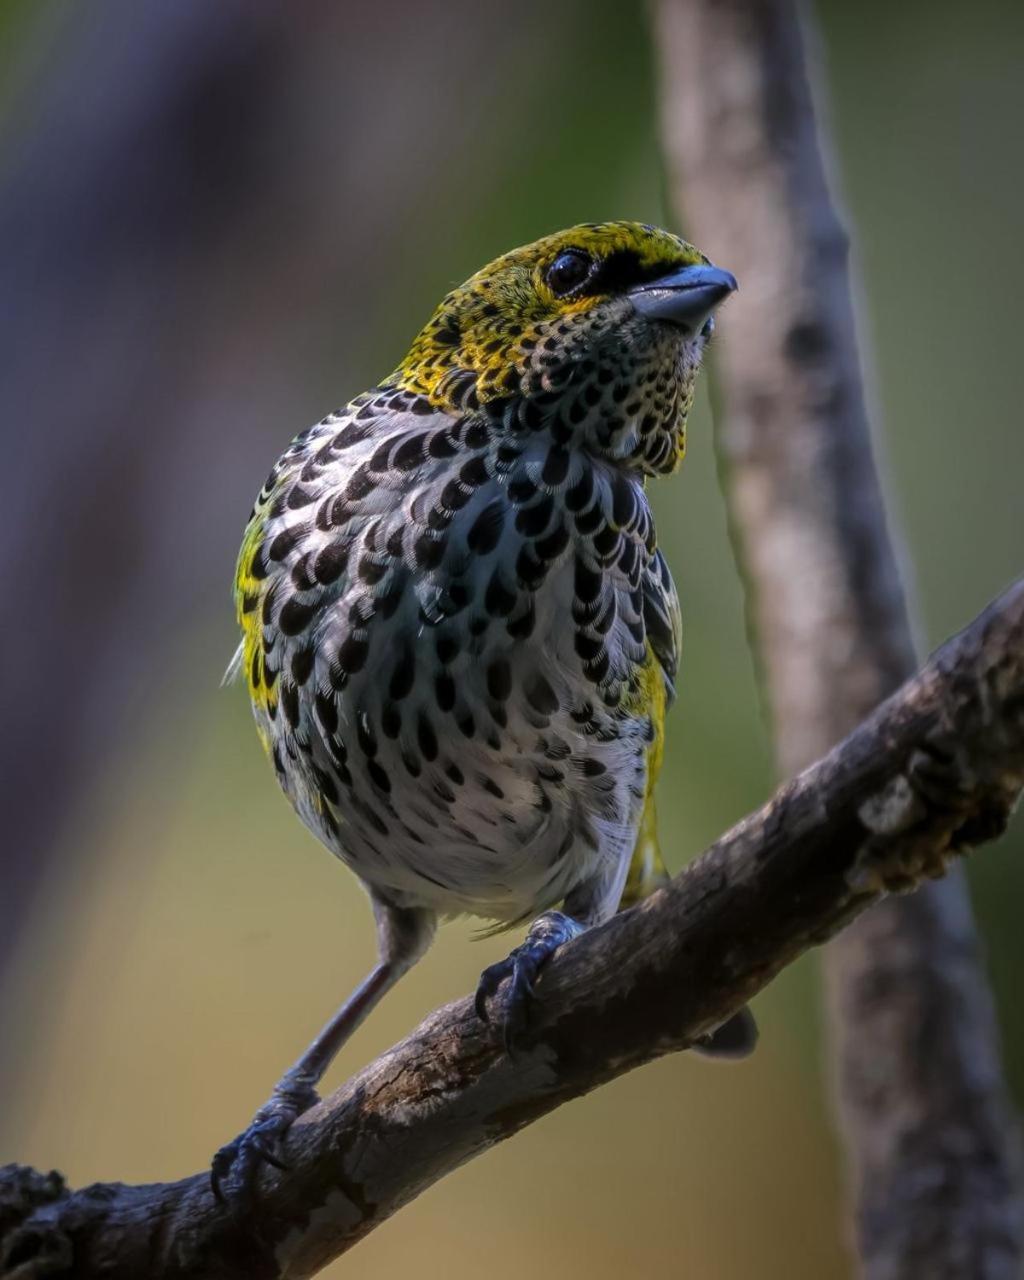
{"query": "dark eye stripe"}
pixel 624 270
pixel 620 271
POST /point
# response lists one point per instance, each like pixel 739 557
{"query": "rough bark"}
pixel 923 1107
pixel 936 768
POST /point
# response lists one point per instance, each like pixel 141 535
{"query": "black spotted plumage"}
pixel 423 551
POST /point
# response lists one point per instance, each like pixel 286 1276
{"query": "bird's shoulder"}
pixel 326 517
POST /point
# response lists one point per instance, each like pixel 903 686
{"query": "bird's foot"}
pixel 547 933
pixel 238 1160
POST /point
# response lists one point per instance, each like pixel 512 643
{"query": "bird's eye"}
pixel 568 271
pixel 708 328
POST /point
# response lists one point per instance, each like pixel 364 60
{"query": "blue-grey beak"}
pixel 685 297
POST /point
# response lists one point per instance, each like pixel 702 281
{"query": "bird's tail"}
pixel 647 870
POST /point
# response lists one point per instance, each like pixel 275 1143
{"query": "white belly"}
pixel 490 785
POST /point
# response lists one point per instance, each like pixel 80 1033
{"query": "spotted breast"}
pixel 450 634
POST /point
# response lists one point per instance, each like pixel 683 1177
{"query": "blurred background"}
pixel 218 221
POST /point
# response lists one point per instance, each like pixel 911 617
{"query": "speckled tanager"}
pixel 459 633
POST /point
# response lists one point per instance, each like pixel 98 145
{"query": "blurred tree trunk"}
pixel 921 1097
pixel 191 226
pixel 114 215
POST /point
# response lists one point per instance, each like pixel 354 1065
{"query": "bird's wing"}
pixel 662 618
pixel 663 625
pixel 319 550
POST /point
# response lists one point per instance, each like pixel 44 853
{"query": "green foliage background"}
pixel 198 935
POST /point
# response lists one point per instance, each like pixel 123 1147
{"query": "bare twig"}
pixel 924 1109
pixel 936 768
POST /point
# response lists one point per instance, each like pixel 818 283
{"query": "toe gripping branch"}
pixel 735 1038
pixel 547 933
pixel 238 1160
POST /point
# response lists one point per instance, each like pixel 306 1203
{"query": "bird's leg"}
pixel 403 935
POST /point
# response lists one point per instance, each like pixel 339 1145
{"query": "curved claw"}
pixel 490 981
pixel 220 1167
pixel 547 933
pixel 265 1153
pixel 238 1160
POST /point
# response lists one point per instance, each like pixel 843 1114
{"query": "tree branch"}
pixel 936 768
pixel 925 1115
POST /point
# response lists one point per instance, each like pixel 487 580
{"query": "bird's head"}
pixel 594 334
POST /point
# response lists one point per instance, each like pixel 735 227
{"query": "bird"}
pixel 459 633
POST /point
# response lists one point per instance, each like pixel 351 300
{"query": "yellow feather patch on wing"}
pixel 249 593
pixel 647 870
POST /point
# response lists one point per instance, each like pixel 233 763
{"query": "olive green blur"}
pixel 191 935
